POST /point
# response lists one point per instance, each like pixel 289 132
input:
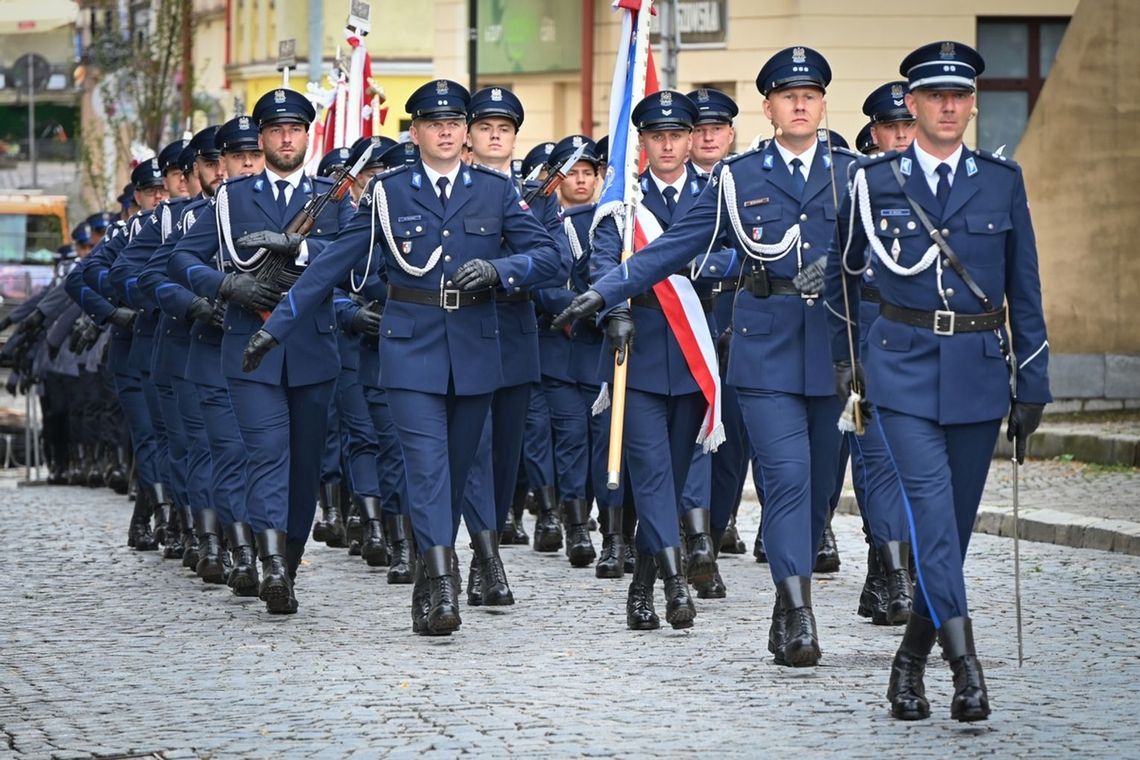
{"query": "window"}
pixel 1019 54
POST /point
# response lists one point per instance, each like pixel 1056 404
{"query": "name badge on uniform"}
pixel 904 165
pixel 405 247
pixel 971 167
pixel 768 161
pixel 417 180
pixel 412 218
pixel 756 202
pixel 757 233
pixel 894 212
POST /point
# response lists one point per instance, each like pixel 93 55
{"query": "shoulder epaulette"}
pixel 738 156
pixel 878 158
pixel 492 170
pixel 393 171
pixel 321 181
pixel 994 158
pixel 845 152
pixel 584 208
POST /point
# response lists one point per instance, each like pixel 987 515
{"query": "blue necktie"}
pixel 670 194
pixel 441 183
pixel 943 191
pixel 799 182
pixel 282 201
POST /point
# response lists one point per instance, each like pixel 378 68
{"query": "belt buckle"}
pixel 944 322
pixel 449 299
pixel 809 296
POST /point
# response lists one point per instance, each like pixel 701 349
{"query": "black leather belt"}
pixel 516 296
pixel 722 286
pixel 450 299
pixel 871 295
pixel 650 301
pixel 944 322
pixel 763 286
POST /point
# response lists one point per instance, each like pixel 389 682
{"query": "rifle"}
pixel 554 179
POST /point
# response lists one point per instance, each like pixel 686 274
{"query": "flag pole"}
pixel 632 201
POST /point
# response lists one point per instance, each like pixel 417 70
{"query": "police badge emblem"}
pixel 947 50
pixel 757 233
pixel 441 87
pixel 576 141
pixel 666 98
pixel 702 95
pixel 406 247
pixel 798 55
pixel 279 96
pixel 496 94
pixel 243 123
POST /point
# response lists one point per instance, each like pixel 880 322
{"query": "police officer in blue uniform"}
pixel 776 204
pixel 948 232
pixel 281 407
pixel 439 227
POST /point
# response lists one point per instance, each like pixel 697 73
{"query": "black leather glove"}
pixel 1023 421
pixel 84 336
pixel 277 242
pixel 260 343
pixel 620 331
pixel 365 322
pixel 123 318
pixel 810 278
pixel 5 323
pixel 200 310
pixel 844 378
pixel 246 290
pixel 585 305
pixel 13 384
pixel 476 275
pixel 53 351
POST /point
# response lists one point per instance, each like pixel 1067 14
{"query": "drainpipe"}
pixel 586 78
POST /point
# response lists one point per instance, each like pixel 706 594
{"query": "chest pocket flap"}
pixel 482 225
pixel 327 222
pixel 409 230
pixel 990 223
pixel 897 223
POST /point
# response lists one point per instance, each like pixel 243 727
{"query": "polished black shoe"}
pixel 827 558
pixel 898 596
pixel 679 607
pixel 611 562
pixel 776 633
pixel 492 576
pixel 190 546
pixel 164 513
pixel 373 548
pixel 872 599
pixel 970 702
pixel 276 585
pixel 801 641
pixel 209 531
pixel 730 542
pixel 443 616
pixel 243 579
pixel 547 530
pixel 639 612
pixel 140 537
pixel 421 600
pixel 758 549
pixel 906 691
pixel 401 564
pixel 700 553
pixel 579 546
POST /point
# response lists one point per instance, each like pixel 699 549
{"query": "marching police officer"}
pixel 948 232
pixel 440 227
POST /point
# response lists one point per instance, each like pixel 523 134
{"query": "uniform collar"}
pixel 661 184
pixel 806 157
pixel 433 176
pixel 293 179
pixel 929 164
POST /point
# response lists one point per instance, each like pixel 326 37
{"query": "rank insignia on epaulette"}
pixel 904 165
pixel 971 166
pixel 768 161
pixel 405 247
pixel 757 233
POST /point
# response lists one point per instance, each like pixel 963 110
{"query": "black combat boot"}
pixel 474 582
pixel 758 548
pixel 96 466
pixel 906 692
pixel 178 536
pixel 117 478
pixel 330 525
pixel 163 512
pixel 508 530
pixel 209 531
pixel 611 562
pixel 293 553
pixel 76 476
pixel 401 565
pixel 776 632
pixel 872 600
pixel 353 525
pixel 801 642
pixel 495 591
pixel 276 585
pixel 373 548
pixel 970 701
pixel 898 596
pixel 243 580
pixel 730 541
pixel 639 612
pixel 679 607
pixel 190 547
pixel 579 546
pixel 629 533
pixel 714 588
pixel 421 599
pixel 827 558
pixel 700 554
pixel 547 531
pixel 139 534
pixel 443 615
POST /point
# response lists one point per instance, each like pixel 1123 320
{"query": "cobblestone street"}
pixel 109 652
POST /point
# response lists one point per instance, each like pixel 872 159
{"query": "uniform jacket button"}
pixel 447 258
pixel 807 246
pixel 803 217
pixel 446 233
pixel 949 292
pixel 945 232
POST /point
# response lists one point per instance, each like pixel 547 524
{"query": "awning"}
pixel 31 16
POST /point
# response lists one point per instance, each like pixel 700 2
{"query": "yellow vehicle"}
pixel 32 228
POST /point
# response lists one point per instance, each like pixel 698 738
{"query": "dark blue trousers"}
pixel 943 470
pixel 199 467
pixel 658 447
pixel 227 454
pixel 729 463
pixel 132 401
pixel 279 425
pixel 389 456
pixel 698 486
pixel 796 443
pixel 361 446
pixel 439 435
pixel 599 425
pixel 537 453
pixel 479 510
pixel 154 404
pixel 877 486
pixel 508 431
pixel 331 468
pixel 571 439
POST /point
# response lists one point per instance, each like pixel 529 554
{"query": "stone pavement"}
pixel 107 652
